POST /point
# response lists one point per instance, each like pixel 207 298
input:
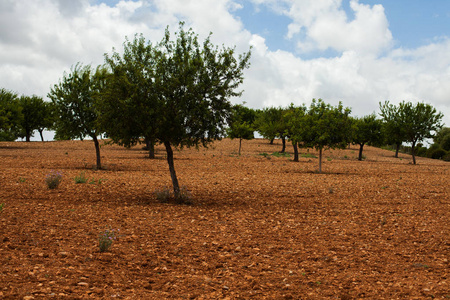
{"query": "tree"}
pixel 419 121
pixel 325 127
pixel 366 130
pixel 74 99
pixel 191 85
pixel 393 131
pixel 271 124
pixel 130 104
pixel 46 117
pixel 10 116
pixel 241 124
pixel 442 138
pixel 34 112
pixel 294 119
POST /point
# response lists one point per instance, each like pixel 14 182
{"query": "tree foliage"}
pixel 74 99
pixel 10 116
pixel 325 126
pixel 129 105
pixel 241 125
pixel 36 115
pixel 366 130
pixel 190 83
pixel 294 119
pixel 393 130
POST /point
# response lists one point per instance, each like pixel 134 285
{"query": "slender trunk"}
pixel 173 175
pixel 271 141
pixel 397 148
pixel 320 160
pixel 295 144
pixel 361 146
pixel 283 149
pixel 413 148
pixel 240 145
pixel 150 145
pixel 97 151
pixel 41 134
pixel 28 135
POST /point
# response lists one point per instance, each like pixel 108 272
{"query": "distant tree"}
pixel 34 112
pixel 10 116
pixel 325 127
pixel 267 122
pixel 419 121
pixel 366 130
pixel 47 118
pixel 74 99
pixel 295 130
pixel 393 131
pixel 442 138
pixel 242 124
pixel 191 84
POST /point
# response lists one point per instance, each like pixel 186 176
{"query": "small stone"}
pixel 28 298
pixel 83 284
pixel 63 254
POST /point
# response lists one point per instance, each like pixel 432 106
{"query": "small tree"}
pixel 392 130
pixel 295 118
pixel 34 112
pixel 419 121
pixel 325 127
pixel 74 99
pixel 366 130
pixel 241 124
pixel 130 105
pixel 268 121
pixel 10 116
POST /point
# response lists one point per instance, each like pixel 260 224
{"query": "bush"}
pixel 53 180
pixel 438 153
pixel 106 239
pixel 421 151
pixel 166 195
pixel 446 157
pixel 81 178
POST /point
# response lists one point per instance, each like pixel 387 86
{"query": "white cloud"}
pixel 47 37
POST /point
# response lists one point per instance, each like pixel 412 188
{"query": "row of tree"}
pixel 323 126
pixel 177 92
pixel 20 116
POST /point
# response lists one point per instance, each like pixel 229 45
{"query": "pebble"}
pixel 83 283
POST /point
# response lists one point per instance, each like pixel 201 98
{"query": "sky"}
pixel 358 52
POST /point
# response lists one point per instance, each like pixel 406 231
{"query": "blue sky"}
pixel 358 52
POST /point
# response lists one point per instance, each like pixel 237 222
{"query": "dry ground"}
pixel 260 226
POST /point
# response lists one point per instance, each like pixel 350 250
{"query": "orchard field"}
pixel 260 226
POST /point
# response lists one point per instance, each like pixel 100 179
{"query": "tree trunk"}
pixel 240 145
pixel 397 148
pixel 320 160
pixel 150 145
pixel 28 136
pixel 413 148
pixel 41 134
pixel 97 151
pixel 271 141
pixel 295 151
pixel 361 146
pixel 173 175
pixel 283 149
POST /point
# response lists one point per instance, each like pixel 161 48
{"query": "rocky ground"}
pixel 260 226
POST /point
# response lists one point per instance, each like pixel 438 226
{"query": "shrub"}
pixel 1 206
pixel 438 153
pixel 166 195
pixel 81 178
pixel 53 180
pixel 446 157
pixel 106 239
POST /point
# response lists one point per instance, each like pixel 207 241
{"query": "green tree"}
pixel 46 118
pixel 130 105
pixel 74 98
pixel 393 131
pixel 10 116
pixel 241 124
pixel 326 127
pixel 294 119
pixel 442 138
pixel 366 130
pixel 271 124
pixel 34 112
pixel 191 85
pixel 419 121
